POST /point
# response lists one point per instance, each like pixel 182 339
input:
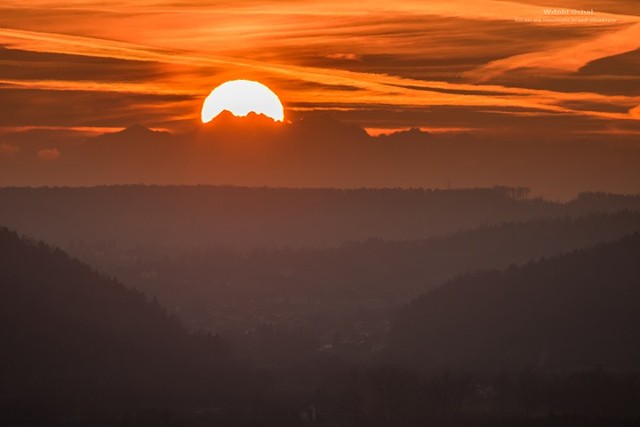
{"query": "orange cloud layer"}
pixel 405 54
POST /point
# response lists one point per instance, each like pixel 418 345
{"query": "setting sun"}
pixel 240 97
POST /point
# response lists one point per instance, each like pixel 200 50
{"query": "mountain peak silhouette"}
pixel 325 126
pixel 227 118
pixel 228 127
pixel 135 141
pixel 138 131
pixel 413 135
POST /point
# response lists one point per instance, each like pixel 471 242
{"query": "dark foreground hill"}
pixel 574 311
pixel 78 349
pixel 251 217
pixel 74 341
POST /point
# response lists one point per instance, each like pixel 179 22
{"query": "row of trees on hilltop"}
pixel 251 217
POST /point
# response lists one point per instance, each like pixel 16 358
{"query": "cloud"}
pixel 47 107
pixel 566 58
pixel 27 66
pixel 624 66
pixel 8 149
pixel 345 56
pixel 48 154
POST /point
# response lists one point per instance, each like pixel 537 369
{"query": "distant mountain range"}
pixel 317 151
pixel 573 311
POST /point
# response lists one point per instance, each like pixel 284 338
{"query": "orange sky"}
pixel 343 55
pixel 498 73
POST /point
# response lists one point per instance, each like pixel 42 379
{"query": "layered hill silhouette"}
pixel 75 340
pixel 254 217
pixel 364 268
pixel 218 289
pixel 574 311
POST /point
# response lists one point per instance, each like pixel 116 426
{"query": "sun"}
pixel 240 97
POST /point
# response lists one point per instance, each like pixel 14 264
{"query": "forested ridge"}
pixel 242 217
pixel 348 290
pixel 573 311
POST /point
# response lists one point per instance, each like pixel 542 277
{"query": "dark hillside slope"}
pixel 71 337
pixel 573 311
